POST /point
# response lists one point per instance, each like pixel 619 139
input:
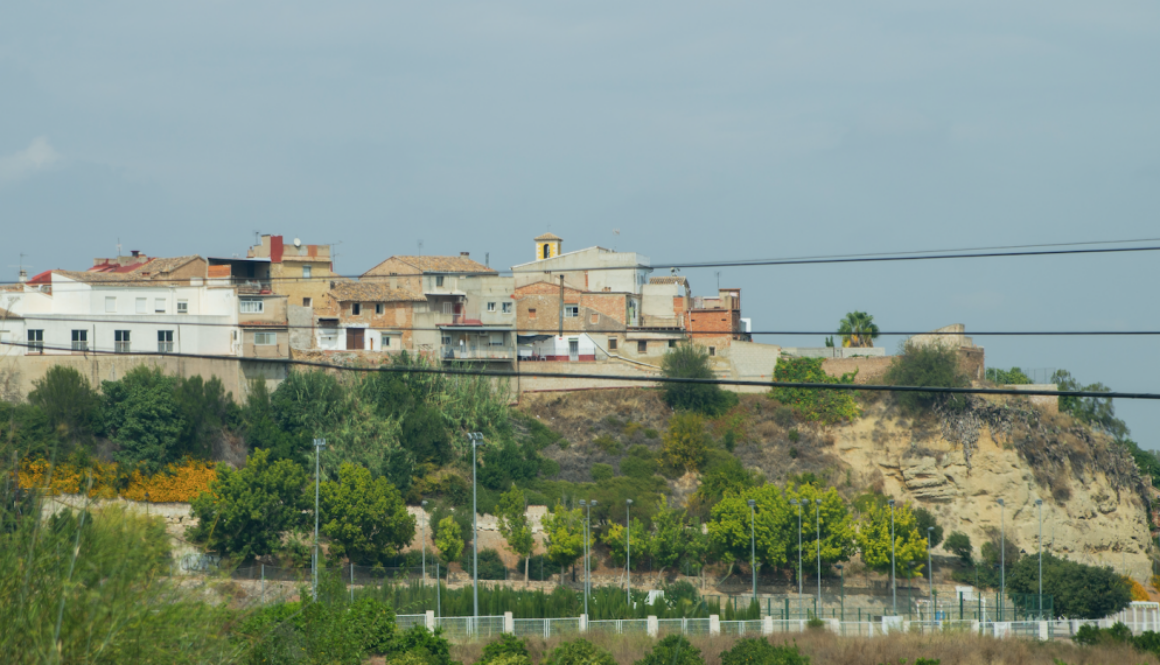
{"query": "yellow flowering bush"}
pixel 178 483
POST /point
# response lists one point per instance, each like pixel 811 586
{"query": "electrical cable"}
pixel 635 379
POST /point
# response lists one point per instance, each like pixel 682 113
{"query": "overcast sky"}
pixel 697 130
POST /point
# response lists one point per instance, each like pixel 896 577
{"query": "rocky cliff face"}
pixel 1093 505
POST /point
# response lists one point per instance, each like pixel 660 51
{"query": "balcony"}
pixel 452 352
pixel 251 285
pixel 80 345
pixel 121 347
pixel 164 347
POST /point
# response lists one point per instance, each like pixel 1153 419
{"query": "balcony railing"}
pixel 164 347
pixel 452 352
pixel 80 346
pixel 121 347
pixel 251 285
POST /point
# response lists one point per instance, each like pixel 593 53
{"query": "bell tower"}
pixel 548 246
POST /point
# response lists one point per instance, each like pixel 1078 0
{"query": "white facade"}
pixel 75 317
pixel 594 269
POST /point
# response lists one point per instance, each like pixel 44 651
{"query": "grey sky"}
pixel 699 130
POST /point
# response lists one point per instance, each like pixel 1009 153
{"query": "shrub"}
pixel 925 520
pixel 816 405
pixel 783 416
pixel 69 403
pixel 756 651
pixel 579 652
pixel 927 365
pixel 794 435
pixel 815 624
pixel 689 361
pixel 1080 591
pixel 490 564
pixel 602 471
pixel 959 544
pixel 673 650
pixel 507 645
pixel 686 442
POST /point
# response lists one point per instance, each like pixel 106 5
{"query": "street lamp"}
pixel 1002 555
pixel 584 504
pixel 893 579
pixel 319 444
pixel 818 523
pixel 842 575
pixel 752 548
pixel 795 502
pixel 1039 504
pixel 423 537
pixel 930 566
pixel 628 552
pixel 476 438
pixel 909 576
pixel 591 505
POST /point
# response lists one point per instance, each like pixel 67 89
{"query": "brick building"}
pixel 367 316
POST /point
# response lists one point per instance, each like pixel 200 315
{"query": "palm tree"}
pixel 858 330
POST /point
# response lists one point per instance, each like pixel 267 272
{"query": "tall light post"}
pixel 752 547
pixel 423 536
pixel 1039 504
pixel 588 572
pixel 842 587
pixel 628 552
pixel 893 578
pixel 795 502
pixel 930 571
pixel 1002 554
pixel 584 505
pixel 818 523
pixel 476 438
pixel 319 444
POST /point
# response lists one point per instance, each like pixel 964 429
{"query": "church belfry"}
pixel 548 246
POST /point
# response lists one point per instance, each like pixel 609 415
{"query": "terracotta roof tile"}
pixel 669 279
pixel 436 264
pixel 372 292
pixel 548 236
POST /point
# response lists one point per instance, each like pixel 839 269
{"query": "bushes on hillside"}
pixel 927 365
pixel 690 361
pixel 814 405
pixel 580 652
pixel 758 651
pixel 673 650
pixel 1079 591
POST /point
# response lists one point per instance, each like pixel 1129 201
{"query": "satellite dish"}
pixel 297 242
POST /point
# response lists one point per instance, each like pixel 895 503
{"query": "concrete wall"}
pixel 833 352
pixel 21 372
pixel 301 321
pixel 870 370
pixel 536 384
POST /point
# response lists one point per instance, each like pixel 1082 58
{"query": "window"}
pixel 712 350
pixel 110 304
pixel 446 340
pixel 532 313
pixel 183 307
pixel 307 302
pixel 121 341
pixel 611 343
pixel 496 339
pixel 159 305
pixel 491 307
pixel 386 341
pixel 306 272
pixel 251 306
pixel 141 303
pixel 672 343
pixel 265 339
pixel 438 280
pixel 36 341
pixel 507 308
pixel 356 308
pixel 380 308
pixel 642 347
pixel 164 341
pixel 446 308
pixel 571 311
pixel 80 340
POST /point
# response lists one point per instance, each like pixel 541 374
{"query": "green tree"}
pixel 668 540
pixel 758 651
pixel 142 416
pixel 261 429
pixel 616 539
pixel 686 442
pixel 828 407
pixel 564 530
pixel 926 365
pixel 513 525
pixel 364 518
pixel 1078 591
pixel 690 361
pixel 68 401
pixel 959 544
pixel 205 409
pixel 773 526
pixel 837 526
pixel 1007 377
pixel 673 650
pixel 926 520
pixel 449 539
pixel 858 330
pixel 579 652
pixel 245 512
pixel 874 540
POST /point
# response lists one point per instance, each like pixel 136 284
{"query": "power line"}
pixel 836 259
pixel 555 330
pixel 636 379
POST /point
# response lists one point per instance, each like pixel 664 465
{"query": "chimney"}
pixel 465 254
pixel 23 275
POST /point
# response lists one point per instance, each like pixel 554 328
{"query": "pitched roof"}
pixel 436 264
pixel 669 279
pixel 548 236
pixel 157 266
pixel 372 292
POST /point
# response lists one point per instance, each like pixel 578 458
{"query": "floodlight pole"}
pixel 628 552
pixel 893 578
pixel 475 438
pixel 930 570
pixel 319 444
pixel 1039 504
pixel 1002 554
pixel 584 505
pixel 423 537
pixel 818 523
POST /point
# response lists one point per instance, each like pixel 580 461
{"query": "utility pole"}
pixel 423 536
pixel 475 438
pixel 1039 504
pixel 1002 555
pixel 628 552
pixel 752 547
pixel 319 444
pixel 584 505
pixel 818 521
pixel 893 579
pixel 930 570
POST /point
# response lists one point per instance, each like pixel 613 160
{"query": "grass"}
pixel 823 648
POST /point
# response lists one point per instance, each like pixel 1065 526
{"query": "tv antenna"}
pixel 420 247
pixel 718 273
pixel 23 269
